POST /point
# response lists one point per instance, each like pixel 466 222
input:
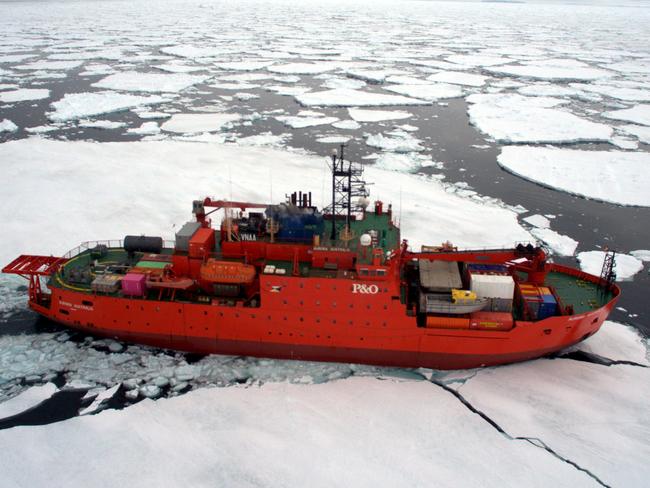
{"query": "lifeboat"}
pixel 231 272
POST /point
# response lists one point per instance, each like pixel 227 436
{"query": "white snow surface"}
pixel 78 105
pixel 194 123
pixel 80 171
pixel 50 65
pixel 560 69
pixel 344 97
pixel 639 114
pixel 642 254
pixel 361 115
pixel 257 436
pixel 149 82
pixel 27 400
pixel 626 266
pixel 515 118
pixel 594 415
pixel 642 133
pixel 24 94
pixel 611 176
pixel 101 124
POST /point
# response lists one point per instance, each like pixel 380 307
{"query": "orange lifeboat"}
pixel 214 271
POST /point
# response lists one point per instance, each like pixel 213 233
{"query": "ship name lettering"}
pixel 365 289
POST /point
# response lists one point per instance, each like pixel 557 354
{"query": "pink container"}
pixel 134 284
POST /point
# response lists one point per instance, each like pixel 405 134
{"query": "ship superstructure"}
pixel 290 281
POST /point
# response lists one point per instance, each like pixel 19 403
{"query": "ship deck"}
pixel 584 296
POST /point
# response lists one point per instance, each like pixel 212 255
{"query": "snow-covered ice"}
pixel 24 94
pixel 28 399
pixel 149 82
pixel 515 118
pixel 243 436
pixel 193 123
pixel 538 221
pixel 617 342
pixel 50 65
pixel 639 114
pixel 301 68
pixel 346 125
pixel 297 122
pixel 642 254
pixel 552 69
pixel 430 92
pixel 626 266
pixel 361 115
pixel 344 97
pixel 78 105
pixel 642 133
pixel 101 124
pixel 397 141
pixel 146 129
pixel 610 176
pixel 559 244
pixel 458 78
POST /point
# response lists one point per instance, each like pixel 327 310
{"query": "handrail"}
pixel 109 243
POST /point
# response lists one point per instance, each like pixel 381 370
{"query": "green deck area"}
pixel 582 295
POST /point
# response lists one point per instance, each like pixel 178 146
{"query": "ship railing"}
pixel 109 243
pixel 488 248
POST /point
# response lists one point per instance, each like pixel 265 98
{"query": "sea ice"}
pixel 642 254
pixel 28 399
pixel 639 114
pixel 244 65
pixel 626 266
pixel 101 398
pixel 361 115
pixel 24 94
pixel 515 118
pixel 404 162
pixel 372 76
pixel 179 68
pixel 302 122
pixel 642 133
pixel 538 221
pixel 559 69
pixel 146 129
pixel 7 125
pixel 611 176
pixel 333 139
pixel 15 58
pixel 302 68
pixel 346 125
pixel 399 142
pixel 430 92
pixel 593 415
pixel 613 91
pixel 264 139
pixel 352 84
pixel 343 97
pixel 616 342
pixel 559 244
pixel 77 105
pixel 457 78
pixel 243 433
pixel 194 123
pixel 478 59
pixel 50 65
pixel 101 124
pixel 149 82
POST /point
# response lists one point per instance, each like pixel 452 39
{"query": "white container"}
pixel 493 286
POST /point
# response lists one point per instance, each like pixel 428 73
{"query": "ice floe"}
pixel 50 65
pixel 302 68
pixel 552 69
pixel 642 254
pixel 343 97
pixel 297 122
pixel 619 92
pixel 639 114
pixel 611 176
pixel 28 399
pixel 101 398
pixel 458 78
pixel 538 221
pixel 146 129
pixel 626 266
pixel 372 76
pixel 430 92
pixel 7 125
pixel 515 118
pixel 396 141
pixel 361 115
pixel 352 84
pixel 559 244
pixel 264 139
pixel 642 133
pixel 24 94
pixel 346 125
pixel 194 123
pixel 101 124
pixel 149 82
pixel 215 426
pixel 78 105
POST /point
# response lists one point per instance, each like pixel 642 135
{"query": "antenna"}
pixel 608 271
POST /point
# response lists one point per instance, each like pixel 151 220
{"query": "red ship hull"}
pixel 312 324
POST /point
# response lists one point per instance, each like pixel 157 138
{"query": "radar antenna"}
pixel 608 272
